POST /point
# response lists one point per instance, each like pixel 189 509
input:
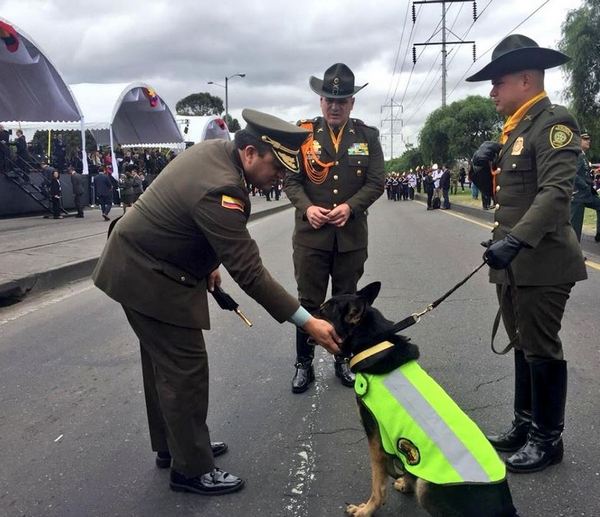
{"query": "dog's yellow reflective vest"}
pixel 421 425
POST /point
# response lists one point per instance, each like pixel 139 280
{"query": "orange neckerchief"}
pixel 513 121
pixel 336 140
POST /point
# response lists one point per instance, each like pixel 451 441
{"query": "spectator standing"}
pixel 126 186
pixel 428 186
pixel 412 183
pixel 445 182
pixel 23 156
pixel 4 149
pixel 78 184
pixel 138 184
pixel 104 192
pixel 55 194
pixel 462 176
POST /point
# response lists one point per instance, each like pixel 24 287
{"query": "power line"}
pixel 495 44
pixel 398 52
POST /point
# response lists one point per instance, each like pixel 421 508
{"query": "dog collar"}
pixel 384 345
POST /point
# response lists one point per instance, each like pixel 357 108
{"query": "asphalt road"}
pixel 73 435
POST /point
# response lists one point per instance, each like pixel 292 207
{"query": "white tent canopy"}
pixel 199 128
pixel 30 86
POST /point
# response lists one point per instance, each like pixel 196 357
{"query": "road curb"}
pixel 588 244
pixel 16 290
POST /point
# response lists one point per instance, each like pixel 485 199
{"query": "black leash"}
pixel 511 289
pixel 409 321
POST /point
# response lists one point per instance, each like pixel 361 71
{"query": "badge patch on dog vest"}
pixel 409 451
pixel 232 203
pixel 560 136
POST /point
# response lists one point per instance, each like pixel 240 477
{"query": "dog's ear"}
pixel 370 292
pixel 355 312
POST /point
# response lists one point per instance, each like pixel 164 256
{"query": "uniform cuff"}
pixel 300 317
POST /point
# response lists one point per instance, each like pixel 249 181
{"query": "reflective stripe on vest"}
pixel 421 425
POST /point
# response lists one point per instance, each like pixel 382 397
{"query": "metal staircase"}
pixel 22 179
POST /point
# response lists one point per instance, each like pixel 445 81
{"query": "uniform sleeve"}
pixel 294 189
pixel 375 180
pixel 555 171
pixel 220 216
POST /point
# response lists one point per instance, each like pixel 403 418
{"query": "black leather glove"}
pixel 501 253
pixel 487 152
pixel 480 172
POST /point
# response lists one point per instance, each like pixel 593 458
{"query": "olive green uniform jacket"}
pixel 192 218
pixel 533 196
pixel 357 178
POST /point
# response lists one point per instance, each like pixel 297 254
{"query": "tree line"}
pixel 454 132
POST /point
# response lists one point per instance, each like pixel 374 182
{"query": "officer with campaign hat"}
pixel 533 167
pixel 161 259
pixel 342 174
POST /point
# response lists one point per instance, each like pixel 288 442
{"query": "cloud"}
pixel 179 46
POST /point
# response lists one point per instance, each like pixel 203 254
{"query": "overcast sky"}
pixel 177 46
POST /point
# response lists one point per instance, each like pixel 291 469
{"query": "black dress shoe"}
pixel 304 375
pixel 215 482
pixel 342 370
pixel 163 458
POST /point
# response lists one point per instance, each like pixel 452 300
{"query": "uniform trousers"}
pixel 540 310
pixel 175 374
pixel 313 267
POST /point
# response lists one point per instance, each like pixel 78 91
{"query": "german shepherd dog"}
pixel 361 327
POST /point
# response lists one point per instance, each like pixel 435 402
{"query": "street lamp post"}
pixel 226 86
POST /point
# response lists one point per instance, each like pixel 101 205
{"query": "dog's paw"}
pixel 402 484
pixel 358 511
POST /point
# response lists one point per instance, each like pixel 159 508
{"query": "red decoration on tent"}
pixel 151 96
pixel 9 36
pixel 221 123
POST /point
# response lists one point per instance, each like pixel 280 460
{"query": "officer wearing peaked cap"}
pixel 584 193
pixel 342 174
pixel 534 165
pixel 162 257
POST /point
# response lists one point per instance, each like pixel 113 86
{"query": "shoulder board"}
pixel 358 122
pixel 307 121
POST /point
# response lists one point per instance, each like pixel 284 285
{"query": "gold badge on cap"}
pixel 517 148
pixel 560 136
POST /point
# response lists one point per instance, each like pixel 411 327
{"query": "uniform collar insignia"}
pixel 320 130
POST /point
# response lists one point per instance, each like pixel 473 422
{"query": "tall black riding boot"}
pixel 305 373
pixel 544 445
pixel 513 439
pixel 342 370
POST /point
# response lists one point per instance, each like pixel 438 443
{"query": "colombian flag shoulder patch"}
pixel 232 203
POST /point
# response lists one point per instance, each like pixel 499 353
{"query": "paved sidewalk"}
pixel 38 254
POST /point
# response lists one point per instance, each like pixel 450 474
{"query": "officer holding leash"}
pixel 160 260
pixel 534 165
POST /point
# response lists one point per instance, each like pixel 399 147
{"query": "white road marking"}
pixel 301 472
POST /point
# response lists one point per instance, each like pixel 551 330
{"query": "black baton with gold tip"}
pixel 227 303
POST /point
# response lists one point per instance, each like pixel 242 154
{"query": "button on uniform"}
pixel 496 224
pixel 498 188
pixel 335 176
pixel 335 191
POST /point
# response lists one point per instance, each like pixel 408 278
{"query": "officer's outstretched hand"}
pixel 323 333
pixel 501 253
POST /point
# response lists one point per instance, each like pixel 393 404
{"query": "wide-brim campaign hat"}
pixel 337 83
pixel 284 138
pixel 515 53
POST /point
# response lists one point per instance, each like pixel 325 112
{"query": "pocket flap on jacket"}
pixel 177 274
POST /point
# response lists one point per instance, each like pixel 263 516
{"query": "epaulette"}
pixel 358 122
pixel 307 120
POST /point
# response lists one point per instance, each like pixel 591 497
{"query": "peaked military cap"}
pixel 585 134
pixel 337 83
pixel 515 53
pixel 284 138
